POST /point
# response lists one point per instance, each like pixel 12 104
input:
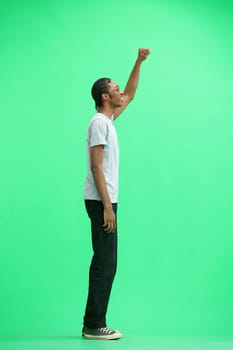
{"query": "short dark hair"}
pixel 99 87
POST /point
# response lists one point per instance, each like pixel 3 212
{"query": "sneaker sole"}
pixel 102 337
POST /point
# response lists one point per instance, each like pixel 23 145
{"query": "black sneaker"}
pixel 103 333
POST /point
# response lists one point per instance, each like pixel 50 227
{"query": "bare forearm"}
pixel 109 224
pixel 132 83
pixel 101 186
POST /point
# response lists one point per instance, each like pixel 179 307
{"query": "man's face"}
pixel 115 95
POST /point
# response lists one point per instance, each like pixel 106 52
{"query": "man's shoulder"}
pixel 98 125
pixel 99 119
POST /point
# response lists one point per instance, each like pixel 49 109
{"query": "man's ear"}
pixel 105 97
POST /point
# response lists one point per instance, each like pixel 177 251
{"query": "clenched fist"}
pixel 143 53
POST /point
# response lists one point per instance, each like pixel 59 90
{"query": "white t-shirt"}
pixel 101 131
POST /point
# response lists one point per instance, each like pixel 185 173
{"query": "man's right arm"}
pixel 132 83
pixel 96 153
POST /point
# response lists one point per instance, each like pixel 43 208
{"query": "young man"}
pixel 101 194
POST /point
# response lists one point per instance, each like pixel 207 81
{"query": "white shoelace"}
pixel 106 330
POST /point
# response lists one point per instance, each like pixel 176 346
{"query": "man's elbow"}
pixel 128 98
pixel 131 95
pixel 96 169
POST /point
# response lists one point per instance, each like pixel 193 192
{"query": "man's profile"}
pixel 101 196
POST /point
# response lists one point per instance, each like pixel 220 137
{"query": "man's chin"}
pixel 119 105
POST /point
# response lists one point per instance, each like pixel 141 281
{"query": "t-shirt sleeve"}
pixel 98 133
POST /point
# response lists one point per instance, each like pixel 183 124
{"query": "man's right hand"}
pixel 109 220
pixel 143 53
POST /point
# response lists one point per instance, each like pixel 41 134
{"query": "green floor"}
pixel 127 343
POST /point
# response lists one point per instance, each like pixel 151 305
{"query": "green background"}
pixel 175 207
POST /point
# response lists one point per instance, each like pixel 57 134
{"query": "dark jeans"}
pixel 102 268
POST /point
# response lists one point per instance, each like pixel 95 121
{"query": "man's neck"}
pixel 108 112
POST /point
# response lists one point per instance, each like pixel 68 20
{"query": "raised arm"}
pixel 132 83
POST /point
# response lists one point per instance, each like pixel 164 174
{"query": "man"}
pixel 101 195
